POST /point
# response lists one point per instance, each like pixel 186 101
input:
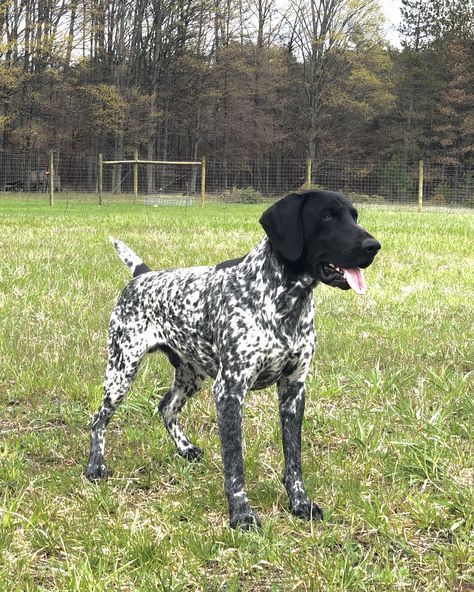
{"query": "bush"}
pixel 247 195
pixel 352 195
pixel 396 182
pixel 364 197
pixel 439 198
pixel 312 187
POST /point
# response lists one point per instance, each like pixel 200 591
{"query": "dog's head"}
pixel 316 232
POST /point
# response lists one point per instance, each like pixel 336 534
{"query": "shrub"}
pixel 312 186
pixel 396 182
pixel 364 197
pixel 247 195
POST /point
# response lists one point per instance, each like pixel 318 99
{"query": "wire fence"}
pixel 28 176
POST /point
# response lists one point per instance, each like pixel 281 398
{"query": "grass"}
pixel 388 431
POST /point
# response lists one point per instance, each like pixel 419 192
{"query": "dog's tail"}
pixel 131 259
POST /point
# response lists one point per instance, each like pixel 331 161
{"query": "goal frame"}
pixel 136 161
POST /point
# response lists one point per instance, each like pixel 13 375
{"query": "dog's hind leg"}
pixel 188 379
pixel 123 363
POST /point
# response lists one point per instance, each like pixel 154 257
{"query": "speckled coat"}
pixel 247 325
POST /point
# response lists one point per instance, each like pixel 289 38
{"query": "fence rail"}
pixel 80 177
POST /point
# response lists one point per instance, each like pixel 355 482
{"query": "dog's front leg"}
pixel 229 395
pixel 291 397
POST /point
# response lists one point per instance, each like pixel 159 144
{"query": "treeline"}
pixel 247 80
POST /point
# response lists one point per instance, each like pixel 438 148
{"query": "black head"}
pixel 316 232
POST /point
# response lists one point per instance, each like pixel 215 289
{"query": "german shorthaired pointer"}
pixel 246 323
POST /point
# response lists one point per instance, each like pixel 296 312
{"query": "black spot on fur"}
pixel 142 268
pixel 229 263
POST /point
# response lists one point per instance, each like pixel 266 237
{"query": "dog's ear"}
pixel 284 226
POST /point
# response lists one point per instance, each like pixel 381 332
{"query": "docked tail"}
pixel 131 259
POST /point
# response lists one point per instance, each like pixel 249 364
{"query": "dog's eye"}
pixel 329 217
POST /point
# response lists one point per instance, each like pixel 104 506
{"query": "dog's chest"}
pixel 277 334
pixel 283 353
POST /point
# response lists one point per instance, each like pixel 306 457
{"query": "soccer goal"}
pixel 155 182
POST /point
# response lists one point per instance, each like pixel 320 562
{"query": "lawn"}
pixel 387 437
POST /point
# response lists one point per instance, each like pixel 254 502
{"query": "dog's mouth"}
pixel 342 277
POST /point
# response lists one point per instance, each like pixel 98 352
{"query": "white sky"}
pixel 391 9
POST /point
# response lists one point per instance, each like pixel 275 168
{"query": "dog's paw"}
pixel 245 521
pixel 192 454
pixel 307 510
pixel 97 472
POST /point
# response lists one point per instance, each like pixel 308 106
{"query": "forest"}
pixel 248 81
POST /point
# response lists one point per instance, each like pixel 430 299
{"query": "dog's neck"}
pixel 278 272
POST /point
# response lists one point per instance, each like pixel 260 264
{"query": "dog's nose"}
pixel 371 246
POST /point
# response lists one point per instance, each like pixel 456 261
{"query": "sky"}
pixel 391 9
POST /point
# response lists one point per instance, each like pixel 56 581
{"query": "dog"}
pixel 247 323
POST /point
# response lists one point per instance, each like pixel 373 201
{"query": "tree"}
pixel 434 75
pixel 322 31
pixel 454 132
pixel 361 103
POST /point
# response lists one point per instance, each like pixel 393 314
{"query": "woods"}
pixel 253 81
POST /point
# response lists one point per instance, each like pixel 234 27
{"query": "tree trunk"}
pixel 150 169
pixel 70 38
pixel 117 168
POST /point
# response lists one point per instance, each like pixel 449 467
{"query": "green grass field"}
pixel 388 432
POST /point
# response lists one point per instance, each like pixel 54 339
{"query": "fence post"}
pixel 420 185
pixel 100 178
pixel 203 180
pixel 135 176
pixel 51 178
pixel 309 172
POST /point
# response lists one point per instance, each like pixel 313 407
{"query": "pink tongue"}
pixel 355 279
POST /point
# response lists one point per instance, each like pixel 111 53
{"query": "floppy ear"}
pixel 284 226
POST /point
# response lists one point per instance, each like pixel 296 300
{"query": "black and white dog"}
pixel 246 323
